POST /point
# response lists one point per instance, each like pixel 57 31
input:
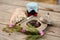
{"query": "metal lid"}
pixel 42 27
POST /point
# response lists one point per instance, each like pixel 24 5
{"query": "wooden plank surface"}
pixel 19 3
pixel 6 10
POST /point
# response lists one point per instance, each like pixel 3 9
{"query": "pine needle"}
pixel 33 37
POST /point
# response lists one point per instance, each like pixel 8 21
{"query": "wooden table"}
pixel 7 7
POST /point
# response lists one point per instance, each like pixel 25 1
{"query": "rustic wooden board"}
pixel 8 7
pixel 19 3
pixel 13 36
pixel 55 17
pixel 50 35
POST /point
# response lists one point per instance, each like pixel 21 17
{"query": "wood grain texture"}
pixel 8 7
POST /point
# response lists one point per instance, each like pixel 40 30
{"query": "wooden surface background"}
pixel 7 7
pixel 46 1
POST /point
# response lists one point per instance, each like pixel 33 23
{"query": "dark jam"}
pixel 32 13
pixel 35 23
